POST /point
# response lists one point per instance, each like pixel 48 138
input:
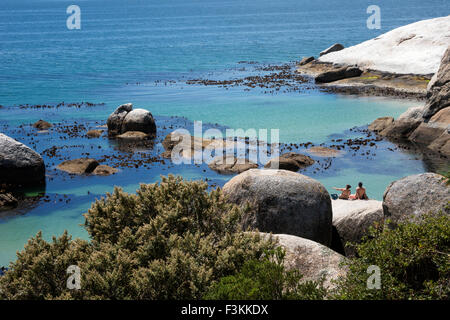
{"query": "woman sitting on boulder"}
pixel 346 192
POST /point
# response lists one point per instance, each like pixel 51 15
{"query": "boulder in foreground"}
pixel 283 202
pixel 414 196
pixel 311 259
pixel 20 165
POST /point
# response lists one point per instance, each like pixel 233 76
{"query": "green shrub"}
pixel 414 260
pixel 266 279
pixel 171 240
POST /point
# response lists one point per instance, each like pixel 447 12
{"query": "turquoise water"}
pixel 127 50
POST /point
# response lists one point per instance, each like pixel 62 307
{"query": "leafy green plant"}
pixel 414 259
pixel 266 279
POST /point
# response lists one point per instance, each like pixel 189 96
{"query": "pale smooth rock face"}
pixel 283 202
pixel 352 220
pixel 415 195
pixel 139 120
pixel 115 120
pixel 20 165
pixel 335 47
pixel 415 48
pixel 311 259
pixel 381 123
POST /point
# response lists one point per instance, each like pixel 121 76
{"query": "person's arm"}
pixel 339 189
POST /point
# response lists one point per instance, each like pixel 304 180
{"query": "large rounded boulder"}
pixel 313 260
pixel 283 202
pixel 125 119
pixel 415 195
pixel 139 120
pixel 20 165
pixel 115 120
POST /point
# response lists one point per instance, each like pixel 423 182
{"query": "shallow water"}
pixel 126 51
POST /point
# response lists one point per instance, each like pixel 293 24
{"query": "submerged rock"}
pixel 133 135
pixel 311 259
pixel 94 133
pixel 290 161
pixel 333 48
pixel 20 165
pixel 42 125
pixel 415 195
pixel 352 219
pixel 7 201
pixel 324 152
pixel 231 165
pixel 79 166
pixel 104 170
pixel 283 202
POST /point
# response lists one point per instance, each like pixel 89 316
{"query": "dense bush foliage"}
pixel 414 260
pixel 266 279
pixel 171 240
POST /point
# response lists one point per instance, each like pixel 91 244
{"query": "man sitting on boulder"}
pixel 360 193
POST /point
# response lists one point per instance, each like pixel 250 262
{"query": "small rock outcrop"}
pixel 94 133
pixel 380 124
pixel 306 60
pixel 104 170
pixel 313 260
pixel 86 166
pixel 133 135
pixel 427 126
pixel 324 152
pixel 338 74
pixel 352 220
pixel 333 48
pixel 290 161
pixel 283 202
pixel 42 125
pixel 414 196
pixel 125 119
pixel 20 165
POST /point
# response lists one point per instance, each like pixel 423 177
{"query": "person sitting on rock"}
pixel 361 192
pixel 346 192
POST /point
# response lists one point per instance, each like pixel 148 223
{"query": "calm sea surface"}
pixel 144 51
